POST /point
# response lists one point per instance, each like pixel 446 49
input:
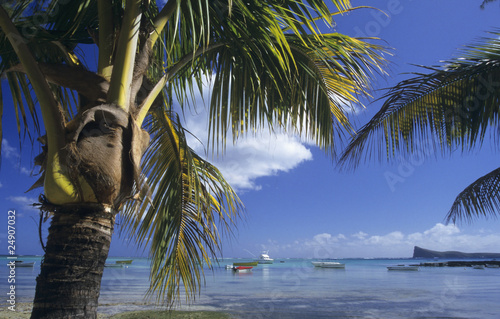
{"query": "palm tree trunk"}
pixel 77 247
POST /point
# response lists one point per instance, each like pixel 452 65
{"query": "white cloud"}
pixel 327 239
pixel 243 163
pixel 13 155
pixel 385 240
pixel 24 200
pixel 24 203
pixel 251 157
pixel 442 230
pixel 360 235
pixel 25 171
pixel 9 151
pixel 394 244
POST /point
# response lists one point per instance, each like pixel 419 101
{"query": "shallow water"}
pixel 295 289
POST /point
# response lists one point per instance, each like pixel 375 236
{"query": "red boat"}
pixel 243 268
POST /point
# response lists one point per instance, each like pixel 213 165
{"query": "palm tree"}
pixel 110 128
pixel 451 107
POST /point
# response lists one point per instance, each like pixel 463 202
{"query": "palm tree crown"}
pixel 269 63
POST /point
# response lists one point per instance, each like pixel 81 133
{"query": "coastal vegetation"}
pixel 454 106
pixel 113 143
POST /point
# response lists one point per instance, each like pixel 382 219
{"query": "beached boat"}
pixel 23 264
pixel 264 258
pixel 478 267
pixel 328 264
pixel 403 268
pixel 246 263
pixel 242 269
pixel 124 261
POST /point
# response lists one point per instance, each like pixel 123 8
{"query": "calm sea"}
pixel 293 288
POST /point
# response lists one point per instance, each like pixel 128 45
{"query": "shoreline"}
pixel 459 263
pixel 131 310
pixel 296 289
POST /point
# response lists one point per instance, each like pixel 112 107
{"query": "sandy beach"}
pixel 23 311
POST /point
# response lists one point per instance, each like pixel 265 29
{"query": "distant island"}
pixel 426 253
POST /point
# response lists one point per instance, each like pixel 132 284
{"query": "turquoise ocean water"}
pixel 293 288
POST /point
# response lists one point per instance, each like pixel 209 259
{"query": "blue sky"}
pixel 297 203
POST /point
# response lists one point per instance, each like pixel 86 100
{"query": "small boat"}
pixel 246 263
pixel 124 261
pixel 478 267
pixel 242 269
pixel 264 258
pixel 23 264
pixel 328 264
pixel 403 268
pixel 492 266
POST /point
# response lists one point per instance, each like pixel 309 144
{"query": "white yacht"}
pixel 264 258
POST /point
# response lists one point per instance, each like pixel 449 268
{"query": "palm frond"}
pixel 47 46
pixel 449 108
pixel 485 2
pixel 311 100
pixel 54 121
pixel 122 76
pixel 480 199
pixel 298 78
pixel 192 207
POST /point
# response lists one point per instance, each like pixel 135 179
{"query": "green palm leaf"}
pixel 480 199
pixel 310 100
pixel 262 73
pixel 48 46
pixel 450 108
pixel 192 206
